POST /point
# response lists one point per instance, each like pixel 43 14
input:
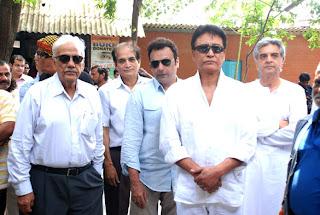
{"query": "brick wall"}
pixel 299 57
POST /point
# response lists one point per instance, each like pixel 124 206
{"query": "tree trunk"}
pixel 135 18
pixel 9 22
pixel 238 59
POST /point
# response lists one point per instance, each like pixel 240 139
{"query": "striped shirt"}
pixel 7 114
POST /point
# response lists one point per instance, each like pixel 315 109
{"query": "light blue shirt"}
pixel 24 88
pixel 140 145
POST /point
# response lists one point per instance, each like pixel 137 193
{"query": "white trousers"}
pixel 206 209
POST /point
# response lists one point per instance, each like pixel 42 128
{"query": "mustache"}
pixel 70 70
pixel 2 82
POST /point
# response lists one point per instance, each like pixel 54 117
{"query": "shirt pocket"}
pixel 89 123
pixel 152 115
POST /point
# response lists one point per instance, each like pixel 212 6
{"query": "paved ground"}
pixel 104 207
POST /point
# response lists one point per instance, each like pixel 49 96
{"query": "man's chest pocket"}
pixel 152 114
pixel 89 123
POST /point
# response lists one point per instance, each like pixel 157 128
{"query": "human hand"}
pixel 139 195
pixel 283 123
pixel 25 203
pixel 110 174
pixel 208 178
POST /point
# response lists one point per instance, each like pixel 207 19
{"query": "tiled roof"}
pixel 72 16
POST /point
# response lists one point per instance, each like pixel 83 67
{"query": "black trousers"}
pixel 117 198
pixel 3 200
pixel 67 195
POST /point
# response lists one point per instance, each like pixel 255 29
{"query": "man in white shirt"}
pixel 17 67
pixel 207 130
pixel 278 105
pixel 56 152
pixel 126 57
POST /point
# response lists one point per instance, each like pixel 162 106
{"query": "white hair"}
pixel 78 42
pixel 266 41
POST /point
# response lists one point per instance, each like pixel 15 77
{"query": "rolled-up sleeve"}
pixel 133 133
pixel 247 141
pixel 170 142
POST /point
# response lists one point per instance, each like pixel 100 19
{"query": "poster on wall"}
pixel 101 48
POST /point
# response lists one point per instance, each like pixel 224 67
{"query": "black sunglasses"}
pixel 205 48
pixel 66 58
pixel 166 62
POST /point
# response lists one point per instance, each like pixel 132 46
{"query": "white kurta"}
pixel 266 175
pixel 208 135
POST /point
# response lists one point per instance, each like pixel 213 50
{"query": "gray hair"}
pixel 266 41
pixel 78 42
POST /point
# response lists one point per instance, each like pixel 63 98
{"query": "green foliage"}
pixel 27 1
pixel 313 37
pixel 152 9
pixel 247 17
pixel 110 7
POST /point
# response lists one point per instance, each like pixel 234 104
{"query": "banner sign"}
pixel 101 48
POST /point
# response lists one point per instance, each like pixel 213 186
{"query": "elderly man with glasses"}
pixel 44 62
pixel 56 153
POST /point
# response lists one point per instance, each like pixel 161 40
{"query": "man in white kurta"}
pixel 207 131
pixel 278 105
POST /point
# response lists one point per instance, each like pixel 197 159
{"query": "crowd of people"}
pixel 205 145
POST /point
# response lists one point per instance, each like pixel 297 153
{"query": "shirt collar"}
pixel 59 89
pixel 118 81
pixel 22 77
pixel 158 86
pixel 222 77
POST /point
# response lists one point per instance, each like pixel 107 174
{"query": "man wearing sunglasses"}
pixel 114 98
pixel 56 153
pixel 207 131
pixel 44 62
pixel 141 159
pixel 278 105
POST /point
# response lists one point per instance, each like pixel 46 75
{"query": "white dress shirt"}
pixel 56 131
pixel 266 175
pixel 114 100
pixel 208 135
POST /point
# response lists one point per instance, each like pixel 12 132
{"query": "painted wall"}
pixel 299 57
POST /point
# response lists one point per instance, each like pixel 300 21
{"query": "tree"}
pixel 148 8
pixel 135 19
pixel 9 21
pixel 255 19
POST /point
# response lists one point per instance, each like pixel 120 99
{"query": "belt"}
pixel 72 171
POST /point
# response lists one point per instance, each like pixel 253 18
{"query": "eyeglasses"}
pixel 205 48
pixel 166 62
pixel 40 54
pixel 66 58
